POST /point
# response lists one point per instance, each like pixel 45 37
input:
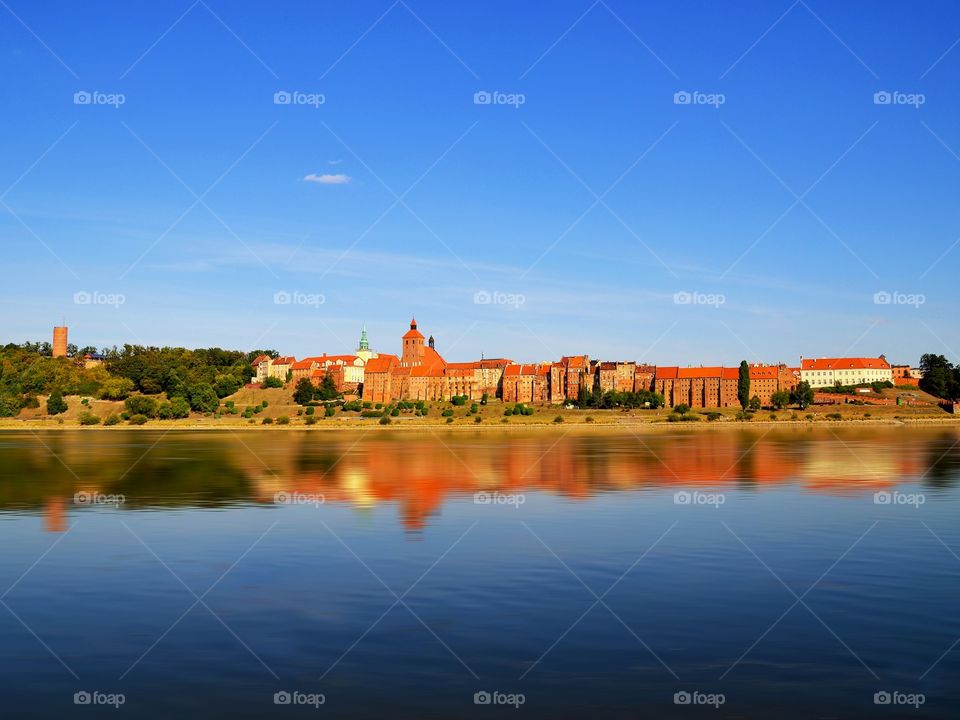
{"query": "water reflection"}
pixel 420 472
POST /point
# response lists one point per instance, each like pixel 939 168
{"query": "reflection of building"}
pixel 823 372
pixel 60 341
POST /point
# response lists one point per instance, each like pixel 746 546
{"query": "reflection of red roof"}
pixel 845 364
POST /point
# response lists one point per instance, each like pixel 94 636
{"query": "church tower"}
pixel 363 350
pixel 412 346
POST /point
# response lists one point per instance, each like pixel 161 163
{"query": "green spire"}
pixel 364 342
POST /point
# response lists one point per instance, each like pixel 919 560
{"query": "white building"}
pixel 827 372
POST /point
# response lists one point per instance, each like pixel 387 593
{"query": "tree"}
pixel 939 376
pixel 141 405
pixel 743 385
pixel 755 403
pixel 116 389
pixel 304 391
pixel 271 382
pixel 203 398
pixel 56 404
pixel 327 389
pixel 802 395
pixel 780 399
pixel 226 385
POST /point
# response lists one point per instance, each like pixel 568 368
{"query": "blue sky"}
pixel 587 203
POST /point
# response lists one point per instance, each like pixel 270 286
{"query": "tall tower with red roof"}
pixel 412 346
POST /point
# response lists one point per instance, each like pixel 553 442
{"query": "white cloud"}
pixel 328 179
pixel 334 162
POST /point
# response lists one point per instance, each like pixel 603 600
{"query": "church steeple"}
pixel 430 342
pixel 364 342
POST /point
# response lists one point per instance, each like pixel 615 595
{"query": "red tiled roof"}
pixel 382 363
pixel 285 360
pixel 844 364
pixel 764 372
pixel 304 364
pixel 259 359
pixel 730 373
pixel 699 372
pixel 667 373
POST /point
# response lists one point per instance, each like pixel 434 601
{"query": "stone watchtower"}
pixel 412 346
pixel 60 341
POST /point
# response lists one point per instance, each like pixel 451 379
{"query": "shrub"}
pixel 267 421
pixel 310 420
pixel 115 389
pixel 773 416
pixel 310 410
pixel 141 405
pixel 368 405
pixel 674 417
pixel 225 385
pixel 384 420
pixel 378 406
pixel 744 416
pixel 272 382
pixel 203 398
pixel 85 402
pixel 589 419
pixel 506 411
pixel 558 419
pixel 808 416
pixel 138 420
pixel 88 418
pixel 834 416
pixel 449 420
pixel 458 400
pixel 176 408
pixel 478 419
pixel 112 420
pixel 473 409
pixel 283 420
pixel 755 403
pixel 56 404
pixel 330 411
pixel 30 401
pixel 681 409
pixel 448 413
pixel 713 416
